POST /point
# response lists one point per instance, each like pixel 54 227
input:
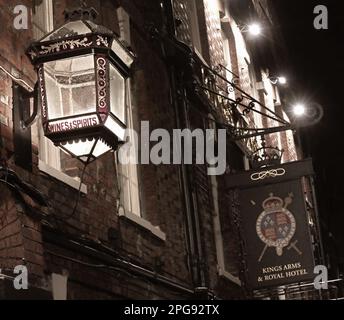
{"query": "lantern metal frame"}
pixel 106 50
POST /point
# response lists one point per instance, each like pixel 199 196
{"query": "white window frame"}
pixel 221 266
pixel 49 155
pixel 227 60
pixel 129 174
pixel 220 252
pixel 194 26
pixel 46 24
pixel 130 195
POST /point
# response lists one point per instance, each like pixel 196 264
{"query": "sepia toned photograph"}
pixel 171 156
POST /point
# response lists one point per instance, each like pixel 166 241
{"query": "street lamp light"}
pixel 306 114
pixel 299 110
pixel 82 73
pixel 254 29
pixel 282 80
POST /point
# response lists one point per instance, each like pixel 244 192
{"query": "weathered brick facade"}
pixel 104 255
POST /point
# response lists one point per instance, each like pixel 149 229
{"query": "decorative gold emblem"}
pixel 267 174
pixel 276 225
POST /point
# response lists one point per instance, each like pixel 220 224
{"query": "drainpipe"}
pixel 179 101
pixel 194 202
pixel 192 235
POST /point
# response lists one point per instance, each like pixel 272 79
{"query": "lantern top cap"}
pixel 79 35
pixel 81 13
pixel 78 21
pixel 76 28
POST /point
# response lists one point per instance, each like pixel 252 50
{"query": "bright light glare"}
pixel 282 80
pixel 254 29
pixel 299 110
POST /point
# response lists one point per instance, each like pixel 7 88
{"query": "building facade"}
pixel 132 231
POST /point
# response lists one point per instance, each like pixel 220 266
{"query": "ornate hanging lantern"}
pixel 83 71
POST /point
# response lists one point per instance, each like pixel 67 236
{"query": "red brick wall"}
pixel 20 238
pixel 11 241
pixel 213 25
pixel 181 14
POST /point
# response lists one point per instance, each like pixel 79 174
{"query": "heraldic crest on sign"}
pixel 276 225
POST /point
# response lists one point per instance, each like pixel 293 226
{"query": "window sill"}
pixel 72 182
pixel 230 277
pixel 143 223
pixel 200 56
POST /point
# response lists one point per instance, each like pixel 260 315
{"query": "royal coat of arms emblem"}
pixel 276 225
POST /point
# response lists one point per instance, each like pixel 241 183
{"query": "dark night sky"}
pixel 316 74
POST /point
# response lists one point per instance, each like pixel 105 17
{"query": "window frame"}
pixel 195 33
pixel 123 212
pixel 128 168
pixel 46 150
pixel 48 8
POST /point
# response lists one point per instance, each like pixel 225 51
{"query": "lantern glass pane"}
pixel 80 148
pixel 117 90
pixel 100 149
pixel 84 149
pixel 70 87
pixel 115 128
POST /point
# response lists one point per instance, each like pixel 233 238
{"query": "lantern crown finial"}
pixel 82 12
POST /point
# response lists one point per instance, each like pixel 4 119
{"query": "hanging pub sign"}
pixel 273 224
